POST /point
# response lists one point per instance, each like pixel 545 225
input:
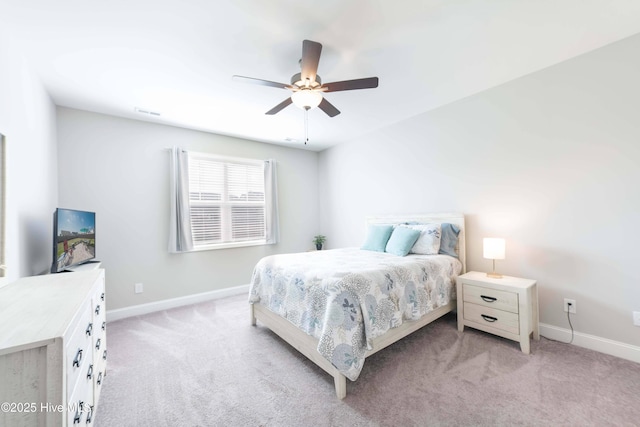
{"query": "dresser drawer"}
pixel 493 298
pixel 487 316
pixel 100 374
pixel 99 315
pixel 99 359
pixel 81 403
pixel 78 352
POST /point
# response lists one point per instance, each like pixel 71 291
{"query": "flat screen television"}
pixel 74 238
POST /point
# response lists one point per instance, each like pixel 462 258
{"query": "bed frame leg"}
pixel 253 315
pixel 341 385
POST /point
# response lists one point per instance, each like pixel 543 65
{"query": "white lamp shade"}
pixel 494 248
pixel 306 98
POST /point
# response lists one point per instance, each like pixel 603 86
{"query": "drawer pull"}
pixel 104 325
pixel 104 355
pixel 102 296
pixel 89 329
pixel 98 344
pixel 98 309
pixel 488 299
pixel 78 415
pixel 90 372
pixel 99 380
pixel 90 414
pixel 490 319
pixel 78 359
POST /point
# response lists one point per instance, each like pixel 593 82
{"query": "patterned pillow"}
pixel 429 241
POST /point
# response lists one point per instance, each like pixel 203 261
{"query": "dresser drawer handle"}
pixel 102 296
pixel 488 299
pixel 90 414
pixel 90 372
pixel 78 415
pixel 489 318
pixel 78 360
pixel 104 325
pixel 89 329
pixel 104 355
pixel 98 309
pixel 99 380
pixel 98 344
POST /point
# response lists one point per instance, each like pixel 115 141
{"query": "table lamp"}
pixel 493 250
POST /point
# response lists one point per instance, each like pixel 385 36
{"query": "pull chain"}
pixel 306 126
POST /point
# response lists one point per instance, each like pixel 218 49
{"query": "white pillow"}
pixel 429 241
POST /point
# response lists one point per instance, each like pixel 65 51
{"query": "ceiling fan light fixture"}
pixel 306 99
pixel 307 85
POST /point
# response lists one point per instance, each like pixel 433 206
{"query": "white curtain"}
pixel 271 202
pixel 180 238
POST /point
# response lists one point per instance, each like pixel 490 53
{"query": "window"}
pixel 226 201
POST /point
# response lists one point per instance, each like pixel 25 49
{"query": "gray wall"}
pixel 119 169
pixel 549 161
pixel 27 119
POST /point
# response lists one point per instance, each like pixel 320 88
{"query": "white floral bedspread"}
pixel 347 297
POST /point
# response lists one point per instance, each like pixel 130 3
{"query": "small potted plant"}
pixel 319 241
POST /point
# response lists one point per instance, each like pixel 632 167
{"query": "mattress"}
pixel 347 297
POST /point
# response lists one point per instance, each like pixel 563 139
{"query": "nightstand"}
pixel 507 307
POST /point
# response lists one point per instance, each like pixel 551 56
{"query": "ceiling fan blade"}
pixel 310 60
pixel 279 107
pixel 328 108
pixel 367 83
pixel 251 80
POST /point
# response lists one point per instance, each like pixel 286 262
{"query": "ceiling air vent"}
pixel 147 112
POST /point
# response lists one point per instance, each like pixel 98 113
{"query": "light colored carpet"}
pixel 204 365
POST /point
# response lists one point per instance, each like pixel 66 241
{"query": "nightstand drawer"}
pixel 493 298
pixel 487 316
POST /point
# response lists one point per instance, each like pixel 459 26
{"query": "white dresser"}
pixel 53 349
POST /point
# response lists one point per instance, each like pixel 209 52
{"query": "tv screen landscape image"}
pixel 74 238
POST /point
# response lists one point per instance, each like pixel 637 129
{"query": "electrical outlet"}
pixel 138 288
pixel 570 305
pixel 636 318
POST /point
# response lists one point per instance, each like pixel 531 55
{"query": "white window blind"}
pixel 226 199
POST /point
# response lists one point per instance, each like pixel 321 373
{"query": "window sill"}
pixel 229 245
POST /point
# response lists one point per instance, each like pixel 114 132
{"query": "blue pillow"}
pixel 449 239
pixel 402 240
pixel 377 237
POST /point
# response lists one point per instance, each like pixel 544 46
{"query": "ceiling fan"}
pixel 307 86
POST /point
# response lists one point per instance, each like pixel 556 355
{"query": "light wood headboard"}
pixel 452 218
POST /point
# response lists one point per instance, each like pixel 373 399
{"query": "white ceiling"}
pixel 176 57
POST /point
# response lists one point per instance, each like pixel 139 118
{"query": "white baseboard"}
pixel 137 310
pixel 592 342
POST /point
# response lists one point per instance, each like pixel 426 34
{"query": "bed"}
pixel 339 306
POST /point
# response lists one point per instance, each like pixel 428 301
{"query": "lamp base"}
pixel 494 275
